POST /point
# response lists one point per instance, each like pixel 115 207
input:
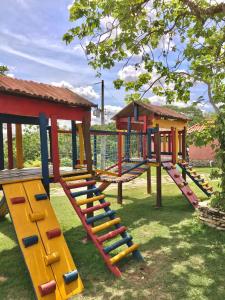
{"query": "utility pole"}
pixel 102 102
pixel 103 138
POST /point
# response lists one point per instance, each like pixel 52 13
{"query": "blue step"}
pixel 71 276
pixel 101 216
pixel 85 192
pixel 30 240
pixel 40 197
pixel 117 244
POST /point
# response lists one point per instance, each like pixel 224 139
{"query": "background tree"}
pixel 3 70
pixel 171 45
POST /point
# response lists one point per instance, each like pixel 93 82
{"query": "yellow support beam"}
pixel 89 200
pixel 167 124
pixel 124 253
pixel 79 177
pixel 105 225
pixel 19 147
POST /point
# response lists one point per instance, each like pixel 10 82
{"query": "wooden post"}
pixel 44 150
pixel 2 166
pixel 119 153
pixel 19 146
pixel 10 146
pixel 158 168
pixel 184 149
pixel 55 148
pixel 120 193
pixel 145 126
pixel 149 182
pixel 87 142
pixel 128 138
pixel 95 151
pixel 74 144
pixel 81 142
pixel 173 144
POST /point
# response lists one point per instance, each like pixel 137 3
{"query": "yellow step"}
pixel 105 225
pixel 78 177
pixel 124 253
pixel 89 200
pixel 205 183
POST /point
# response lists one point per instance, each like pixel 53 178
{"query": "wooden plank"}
pixel 10 146
pixel 19 146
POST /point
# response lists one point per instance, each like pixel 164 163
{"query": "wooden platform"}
pixel 17 175
pixel 130 175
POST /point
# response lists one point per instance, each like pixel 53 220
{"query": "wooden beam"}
pixel 184 149
pixel 74 143
pixel 44 150
pixel 19 147
pixel 10 146
pixel 149 181
pixel 120 193
pixel 158 169
pixel 2 165
pixel 87 142
pixel 169 123
pixel 55 149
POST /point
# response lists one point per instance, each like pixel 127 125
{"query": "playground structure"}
pixel 27 193
pixel 148 136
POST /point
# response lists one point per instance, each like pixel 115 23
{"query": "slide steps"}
pixel 106 220
pixel 196 178
pixel 52 270
pixel 181 183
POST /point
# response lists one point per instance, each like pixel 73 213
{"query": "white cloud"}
pixel 131 73
pixel 70 5
pixel 50 62
pixel 11 75
pixel 84 91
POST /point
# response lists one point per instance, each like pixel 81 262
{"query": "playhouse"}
pixel 26 190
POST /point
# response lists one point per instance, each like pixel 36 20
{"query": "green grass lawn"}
pixel 182 258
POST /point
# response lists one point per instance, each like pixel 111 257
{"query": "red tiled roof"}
pixel 196 127
pixel 42 91
pixel 156 109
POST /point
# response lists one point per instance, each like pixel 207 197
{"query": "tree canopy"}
pixel 172 45
pixel 3 70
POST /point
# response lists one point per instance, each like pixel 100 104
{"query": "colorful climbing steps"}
pixel 181 183
pixel 49 262
pixel 196 178
pixel 104 240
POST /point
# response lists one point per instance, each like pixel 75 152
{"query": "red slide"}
pixel 181 183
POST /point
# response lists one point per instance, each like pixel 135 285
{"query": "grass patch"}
pixel 183 259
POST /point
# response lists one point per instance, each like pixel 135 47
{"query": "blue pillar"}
pixel 1 147
pixel 44 150
pixel 74 143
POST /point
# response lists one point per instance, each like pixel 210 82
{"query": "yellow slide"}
pixel 48 259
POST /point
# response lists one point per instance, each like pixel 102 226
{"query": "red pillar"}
pixel 55 148
pixel 120 153
pixel 10 146
pixel 145 126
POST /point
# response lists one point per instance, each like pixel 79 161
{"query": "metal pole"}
pixel 103 138
pixel 102 102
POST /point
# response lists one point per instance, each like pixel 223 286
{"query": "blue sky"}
pixel 31 46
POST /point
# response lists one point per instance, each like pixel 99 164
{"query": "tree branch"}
pixel 201 12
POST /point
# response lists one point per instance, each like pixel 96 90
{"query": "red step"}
pixel 94 208
pixel 111 234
